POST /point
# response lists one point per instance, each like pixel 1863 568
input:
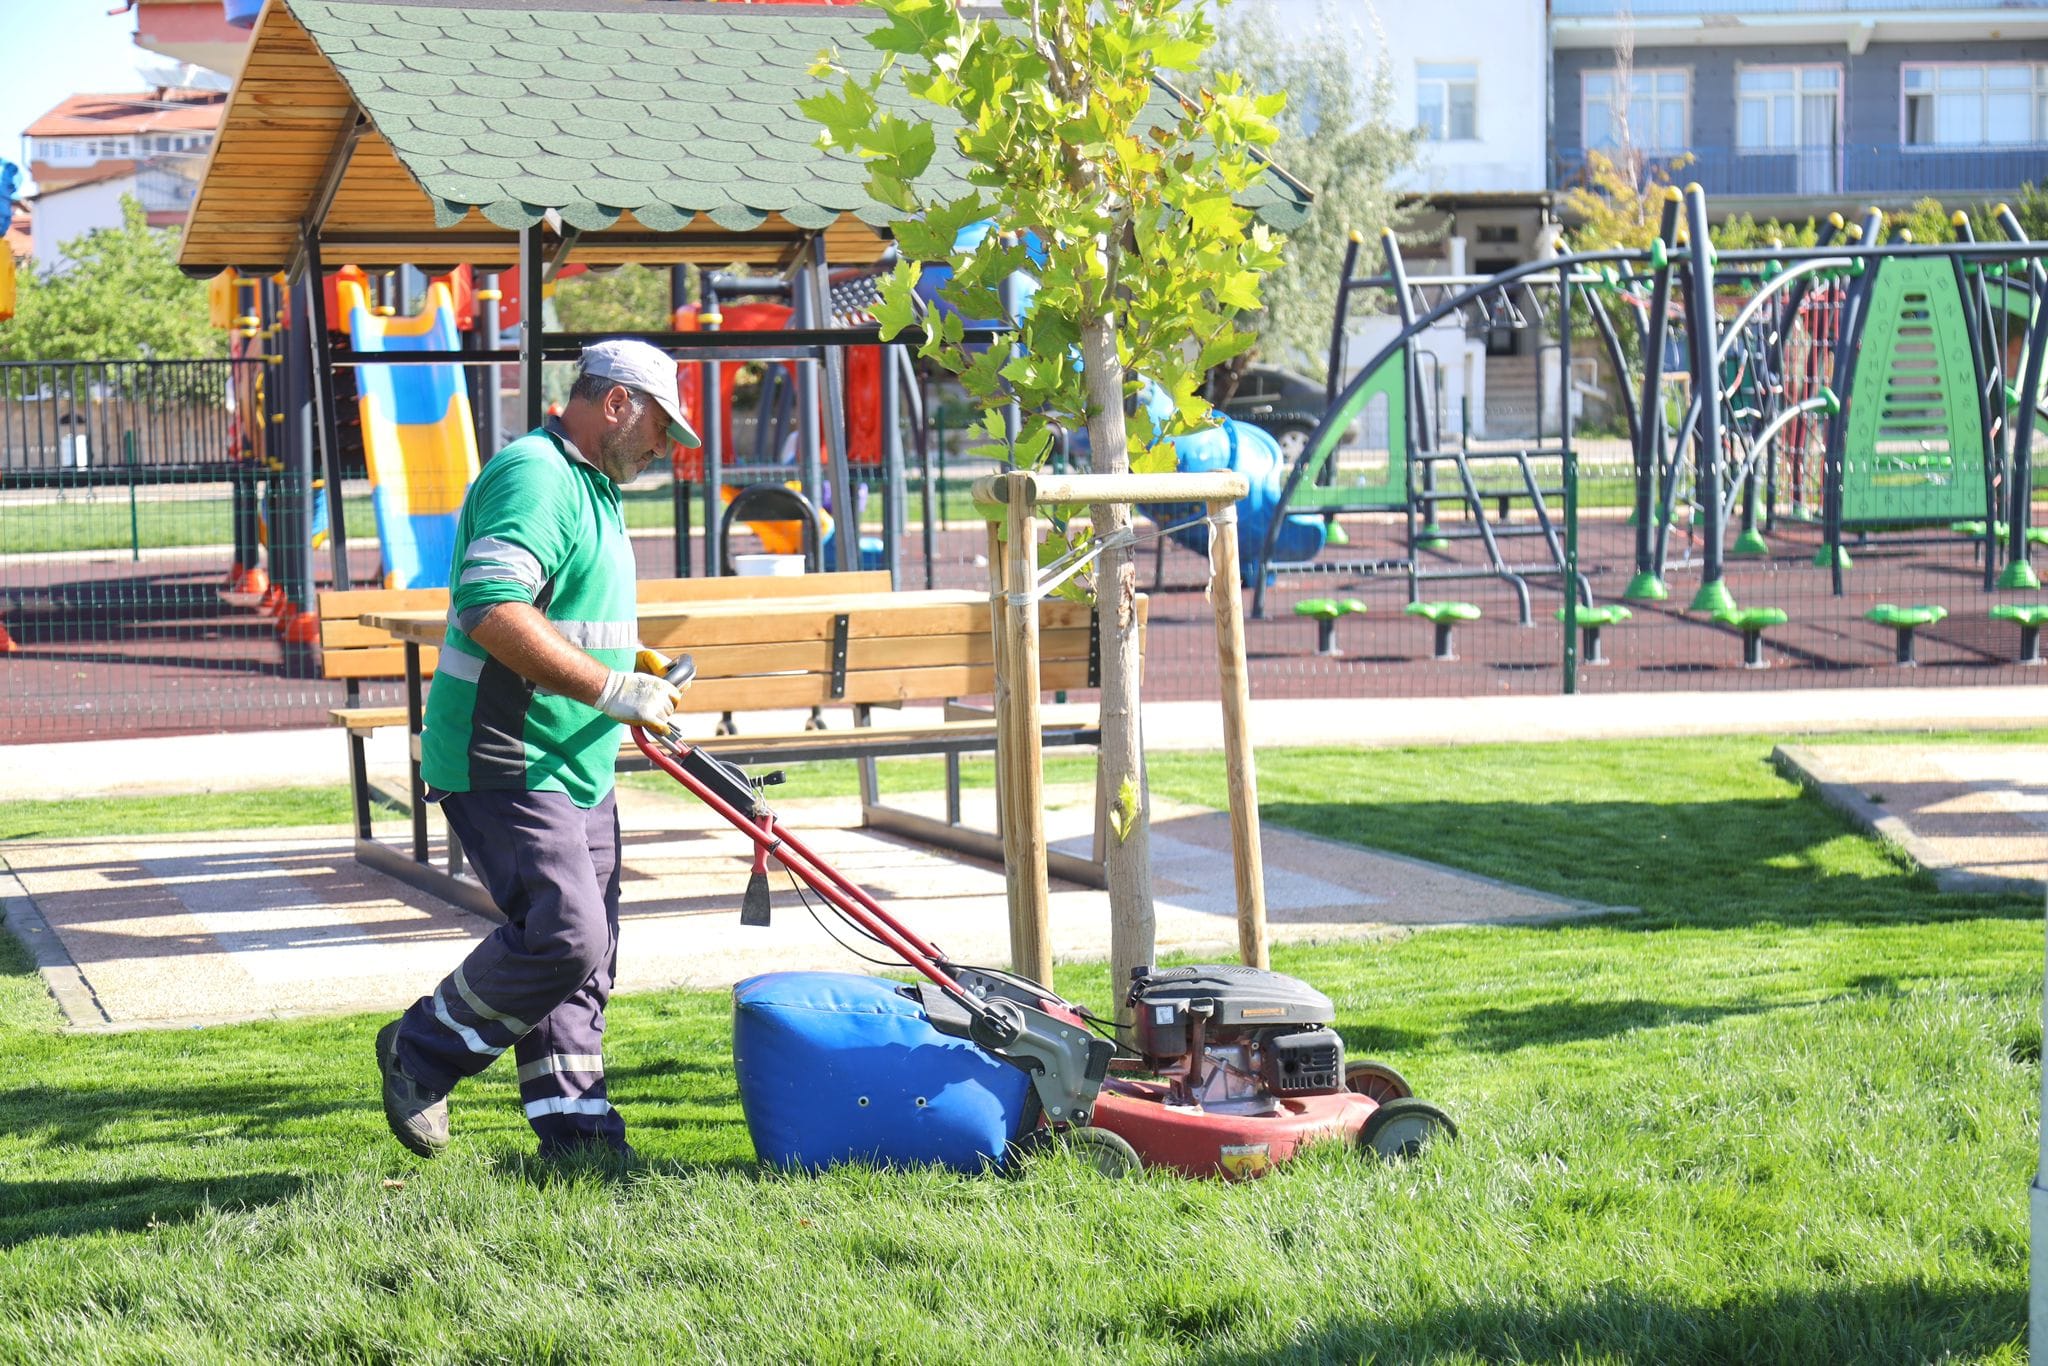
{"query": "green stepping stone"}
pixel 1821 559
pixel 1326 611
pixel 1592 620
pixel 1445 616
pixel 1713 599
pixel 1905 621
pixel 1752 622
pixel 2019 575
pixel 2030 617
pixel 1975 530
pixel 1646 587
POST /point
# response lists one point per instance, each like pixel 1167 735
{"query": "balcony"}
pixel 1828 175
pixel 1699 9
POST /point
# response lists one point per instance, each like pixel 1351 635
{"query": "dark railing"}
pixel 86 422
pixel 1649 9
pixel 1824 173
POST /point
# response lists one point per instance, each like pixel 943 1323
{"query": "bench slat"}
pixel 799 586
pixel 736 627
pixel 351 603
pixel 367 718
pixel 346 633
pixel 765 692
pixel 886 652
pixel 388 662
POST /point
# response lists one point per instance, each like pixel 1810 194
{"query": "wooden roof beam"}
pixel 329 186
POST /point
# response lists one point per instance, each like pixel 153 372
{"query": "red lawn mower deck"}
pixel 1230 1070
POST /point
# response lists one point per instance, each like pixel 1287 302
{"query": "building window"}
pixel 1648 109
pixel 1783 108
pixel 1447 100
pixel 1986 104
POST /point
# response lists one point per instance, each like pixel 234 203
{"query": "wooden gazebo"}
pixel 434 133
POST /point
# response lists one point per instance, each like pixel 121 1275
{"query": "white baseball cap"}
pixel 652 371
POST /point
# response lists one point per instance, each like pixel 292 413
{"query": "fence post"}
pixel 1569 463
pixel 134 519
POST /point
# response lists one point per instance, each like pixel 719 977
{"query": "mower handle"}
pixel 681 671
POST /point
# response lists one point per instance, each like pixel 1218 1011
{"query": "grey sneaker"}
pixel 418 1117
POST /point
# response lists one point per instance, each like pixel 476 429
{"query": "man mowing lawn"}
pixel 522 737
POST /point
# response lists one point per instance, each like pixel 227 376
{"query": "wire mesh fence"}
pixel 134 499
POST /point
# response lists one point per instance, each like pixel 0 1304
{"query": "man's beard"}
pixel 618 450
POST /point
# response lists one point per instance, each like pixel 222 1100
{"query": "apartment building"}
pixel 1471 77
pixel 1800 106
pixel 93 150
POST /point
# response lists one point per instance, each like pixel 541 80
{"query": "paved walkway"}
pixel 175 931
pixel 1975 816
pixel 257 759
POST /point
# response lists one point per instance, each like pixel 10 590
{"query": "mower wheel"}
pixel 1402 1128
pixel 1376 1081
pixel 1106 1152
pixel 1111 1154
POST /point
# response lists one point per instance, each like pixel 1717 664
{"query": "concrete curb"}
pixel 1808 768
pixel 74 995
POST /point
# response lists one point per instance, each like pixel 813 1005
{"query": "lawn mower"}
pixel 1231 1070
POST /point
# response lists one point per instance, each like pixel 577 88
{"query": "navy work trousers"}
pixel 539 983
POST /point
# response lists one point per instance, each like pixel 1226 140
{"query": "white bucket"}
pixel 774 566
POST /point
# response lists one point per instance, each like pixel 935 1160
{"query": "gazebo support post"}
pixel 532 273
pixel 326 431
pixel 832 365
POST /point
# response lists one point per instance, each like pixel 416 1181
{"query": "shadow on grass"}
pixel 1897 1320
pixel 1574 1021
pixel 64 1209
pixel 1721 864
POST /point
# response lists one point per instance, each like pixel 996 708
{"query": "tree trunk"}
pixel 1122 755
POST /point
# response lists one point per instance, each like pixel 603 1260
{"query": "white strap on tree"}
pixel 1050 578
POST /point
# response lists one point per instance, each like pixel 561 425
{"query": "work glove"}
pixel 639 700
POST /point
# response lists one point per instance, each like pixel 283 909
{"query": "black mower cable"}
pixel 878 962
pixel 1093 1021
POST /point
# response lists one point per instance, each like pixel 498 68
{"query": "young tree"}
pixel 1620 201
pixel 1339 136
pixel 120 297
pixel 1740 230
pixel 1121 199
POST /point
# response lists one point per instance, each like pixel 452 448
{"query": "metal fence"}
pixel 74 423
pixel 115 576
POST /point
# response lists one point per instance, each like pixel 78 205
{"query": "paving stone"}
pixel 178 930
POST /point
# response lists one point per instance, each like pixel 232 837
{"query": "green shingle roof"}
pixel 669 108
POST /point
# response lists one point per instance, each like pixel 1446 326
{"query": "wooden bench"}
pixel 820 640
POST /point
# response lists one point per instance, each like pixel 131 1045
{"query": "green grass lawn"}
pixel 1785 1113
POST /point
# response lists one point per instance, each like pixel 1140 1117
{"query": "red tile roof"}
pixel 19 239
pixel 147 111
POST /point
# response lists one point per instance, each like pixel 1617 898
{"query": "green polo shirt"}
pixel 541 525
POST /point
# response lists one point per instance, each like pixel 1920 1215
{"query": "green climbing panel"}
pixel 1914 446
pixel 1376 477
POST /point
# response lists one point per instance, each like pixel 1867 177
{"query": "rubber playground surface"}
pixel 183 930
pixel 195 663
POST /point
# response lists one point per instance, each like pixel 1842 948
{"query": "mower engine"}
pixel 1236 1040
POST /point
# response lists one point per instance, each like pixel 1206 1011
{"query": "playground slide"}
pixel 418 436
pixel 1252 452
